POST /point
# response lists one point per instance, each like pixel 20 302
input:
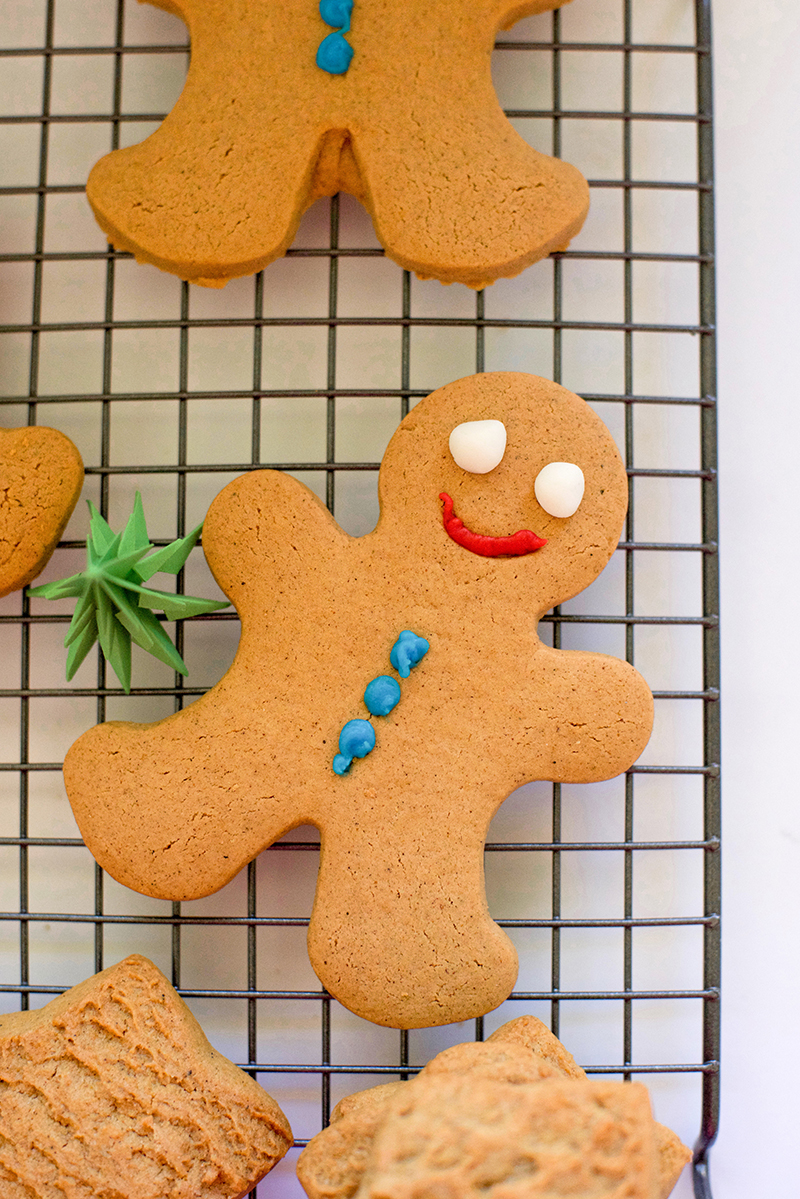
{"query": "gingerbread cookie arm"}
pixel 511 11
pixel 592 716
pixel 175 809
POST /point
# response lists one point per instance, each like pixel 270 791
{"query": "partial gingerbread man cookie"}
pixel 396 107
pixel 111 1091
pixel 431 618
pixel 41 475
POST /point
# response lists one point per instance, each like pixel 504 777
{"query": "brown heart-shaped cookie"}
pixel 41 475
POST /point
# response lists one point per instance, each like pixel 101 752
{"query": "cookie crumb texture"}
pixel 41 475
pixel 400 932
pixel 514 1117
pixel 112 1091
pixel 469 1138
pixel 414 130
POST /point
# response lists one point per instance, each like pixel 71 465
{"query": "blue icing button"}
pixel 336 13
pixel 407 651
pixel 382 694
pixel 356 740
pixel 334 54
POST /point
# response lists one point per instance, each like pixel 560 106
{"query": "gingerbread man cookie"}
pixel 395 106
pixel 111 1091
pixel 400 931
pixel 41 475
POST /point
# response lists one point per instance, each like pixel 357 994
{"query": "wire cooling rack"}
pixel 610 891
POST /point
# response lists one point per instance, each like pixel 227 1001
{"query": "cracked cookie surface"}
pixel 476 1121
pixel 112 1091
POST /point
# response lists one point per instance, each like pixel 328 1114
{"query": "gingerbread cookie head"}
pixel 510 480
pixel 391 690
pixel 399 110
pixel 41 475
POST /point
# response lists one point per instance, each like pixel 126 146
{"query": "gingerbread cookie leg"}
pixel 448 959
pixel 227 236
pixel 159 805
pixel 206 196
pixel 454 191
pixel 481 215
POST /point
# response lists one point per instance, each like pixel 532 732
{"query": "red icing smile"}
pixel 512 546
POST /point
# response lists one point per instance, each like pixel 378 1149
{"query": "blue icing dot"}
pixel 381 695
pixel 407 651
pixel 336 13
pixel 334 54
pixel 356 740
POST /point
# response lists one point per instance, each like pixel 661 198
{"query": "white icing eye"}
pixel 559 488
pixel 478 445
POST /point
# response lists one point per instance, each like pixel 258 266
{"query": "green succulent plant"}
pixel 113 605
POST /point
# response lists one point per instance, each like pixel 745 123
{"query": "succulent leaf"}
pixel 80 646
pixel 170 558
pixel 60 588
pixel 113 607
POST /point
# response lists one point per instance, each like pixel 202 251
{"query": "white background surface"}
pixel 757 52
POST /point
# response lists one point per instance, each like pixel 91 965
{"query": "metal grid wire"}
pixel 258 922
